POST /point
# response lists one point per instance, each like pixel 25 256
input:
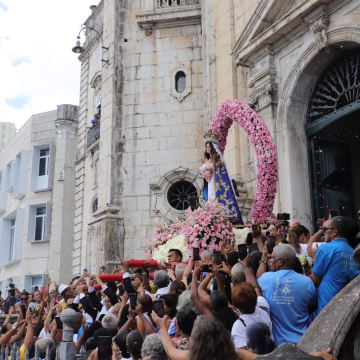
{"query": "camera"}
pixel 284 217
pixel 11 289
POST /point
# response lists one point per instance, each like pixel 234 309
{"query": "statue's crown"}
pixel 211 136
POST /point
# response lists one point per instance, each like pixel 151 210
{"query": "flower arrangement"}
pixel 177 242
pixel 204 227
pixel 207 226
pixel 240 235
pixel 255 127
pixel 207 171
pixel 163 233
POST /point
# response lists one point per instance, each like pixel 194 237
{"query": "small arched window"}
pixel 94 206
pixel 180 82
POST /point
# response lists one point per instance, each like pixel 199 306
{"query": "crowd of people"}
pixel 229 309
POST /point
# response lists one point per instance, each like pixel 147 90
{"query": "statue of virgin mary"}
pixel 217 184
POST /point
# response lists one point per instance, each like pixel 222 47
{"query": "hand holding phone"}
pixel 271 242
pixel 132 298
pixel 23 311
pixel 196 252
pixel 217 258
pixel 59 323
pixel 242 251
pixel 158 306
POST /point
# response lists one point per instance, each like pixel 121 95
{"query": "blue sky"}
pixel 38 70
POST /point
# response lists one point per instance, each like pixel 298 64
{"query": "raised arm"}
pixel 143 323
pixel 29 337
pixel 188 270
pixel 194 292
pixel 249 275
pixel 262 266
pixel 171 350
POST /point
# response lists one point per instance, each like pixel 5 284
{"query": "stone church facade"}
pixel 157 77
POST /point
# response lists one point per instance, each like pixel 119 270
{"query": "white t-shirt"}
pixel 303 251
pixel 259 315
pixel 43 333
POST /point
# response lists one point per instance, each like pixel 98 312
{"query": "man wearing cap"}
pixel 65 291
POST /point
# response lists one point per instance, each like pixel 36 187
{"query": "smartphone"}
pixel 132 298
pixel 334 212
pixel 271 242
pixel 249 239
pixel 77 277
pixel 103 268
pixel 86 270
pixel 59 323
pixel 23 311
pixel 228 241
pixel 121 290
pixel 158 306
pixel 242 251
pixel 206 268
pixel 31 310
pixel 104 347
pixel 36 312
pixel 127 285
pixel 196 252
pixel 217 258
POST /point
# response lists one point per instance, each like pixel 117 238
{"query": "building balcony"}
pixel 175 3
pixel 160 14
pixel 93 134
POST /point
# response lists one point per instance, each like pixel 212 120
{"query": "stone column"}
pixel 62 217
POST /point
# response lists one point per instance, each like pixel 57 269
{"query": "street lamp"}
pixel 61 179
pixel 78 49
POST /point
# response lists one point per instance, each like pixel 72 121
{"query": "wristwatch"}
pixel 14 327
pixel 262 262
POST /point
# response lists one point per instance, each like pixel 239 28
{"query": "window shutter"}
pixel 31 223
pixel 34 167
pixel 44 279
pixel 27 283
pixel 51 165
pixel 19 225
pixel 48 221
pixel 4 231
pixel 20 175
pixel 2 191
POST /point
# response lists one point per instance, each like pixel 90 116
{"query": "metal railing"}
pixel 93 134
pixel 175 3
pixel 65 351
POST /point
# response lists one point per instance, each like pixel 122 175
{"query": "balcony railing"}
pixel 93 134
pixel 175 3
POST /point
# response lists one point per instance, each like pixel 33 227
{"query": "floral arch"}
pixel 267 164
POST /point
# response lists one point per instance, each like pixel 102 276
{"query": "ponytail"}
pixel 269 345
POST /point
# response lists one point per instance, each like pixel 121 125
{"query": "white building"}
pixel 7 131
pixel 36 210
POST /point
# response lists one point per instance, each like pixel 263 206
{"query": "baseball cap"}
pixel 63 287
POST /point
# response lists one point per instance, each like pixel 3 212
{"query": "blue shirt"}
pixel 289 295
pixel 334 263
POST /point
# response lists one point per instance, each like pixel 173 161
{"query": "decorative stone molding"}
pixel 262 96
pixel 109 212
pixel 319 21
pixel 158 192
pixel 147 26
pixel 187 70
pixel 169 16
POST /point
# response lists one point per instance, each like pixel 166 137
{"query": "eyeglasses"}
pixel 23 299
pixel 325 229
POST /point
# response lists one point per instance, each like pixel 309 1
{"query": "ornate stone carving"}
pixel 319 28
pixel 147 26
pixel 262 96
pixel 159 203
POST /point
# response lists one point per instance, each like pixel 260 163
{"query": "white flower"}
pixel 240 235
pixel 177 242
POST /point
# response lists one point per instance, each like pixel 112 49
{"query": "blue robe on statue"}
pixel 225 195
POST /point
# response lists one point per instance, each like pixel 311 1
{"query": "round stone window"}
pixel 181 194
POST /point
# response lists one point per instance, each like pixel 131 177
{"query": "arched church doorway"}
pixel 333 132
